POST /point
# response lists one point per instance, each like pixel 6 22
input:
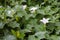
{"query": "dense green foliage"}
pixel 19 23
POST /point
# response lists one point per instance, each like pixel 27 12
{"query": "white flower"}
pixel 24 7
pixel 33 9
pixel 9 12
pixel 45 20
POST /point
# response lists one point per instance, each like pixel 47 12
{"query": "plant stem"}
pixel 45 27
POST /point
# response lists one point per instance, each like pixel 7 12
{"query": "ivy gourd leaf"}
pixel 14 24
pixel 40 34
pixel 54 37
pixel 32 37
pixel 10 37
pixel 1 25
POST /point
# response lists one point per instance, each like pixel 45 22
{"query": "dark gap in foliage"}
pixel 16 28
pixel 48 30
pixel 51 28
pixel 1 33
pixel 58 0
pixel 46 16
pixel 46 4
pixel 53 7
pixel 22 26
pixel 36 37
pixel 22 23
pixel 8 3
pixel 8 17
pixel 53 32
pixel 39 16
pixel 44 39
pixel 59 19
pixel 24 3
pixel 28 33
pixel 19 39
pixel 33 30
pixel 7 27
pixel 58 34
pixel 33 27
pixel 56 13
pixel 2 2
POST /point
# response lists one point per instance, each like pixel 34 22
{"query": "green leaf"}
pixel 40 34
pixel 54 37
pixel 32 37
pixel 10 37
pixel 2 25
pixel 14 24
pixel 57 24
